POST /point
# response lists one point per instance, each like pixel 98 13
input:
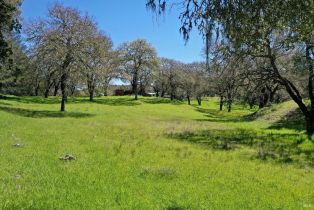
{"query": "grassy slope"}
pixel 139 155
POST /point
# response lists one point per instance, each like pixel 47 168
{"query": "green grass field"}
pixel 152 154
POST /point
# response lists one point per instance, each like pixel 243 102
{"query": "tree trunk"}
pixel 295 94
pixel 171 97
pixel 48 89
pixel 189 100
pixel 63 92
pixel 262 98
pixel 266 99
pixel 46 93
pixel 221 103
pixel 199 101
pixel 292 89
pixel 272 93
pixel 48 85
pixel 55 92
pixel 56 88
pixel 162 94
pixel 106 89
pixel 309 125
pixel 229 106
pixel 310 117
pixel 135 88
pixel 91 95
pixel 136 93
pixel 37 90
pixel 90 90
pixel 64 78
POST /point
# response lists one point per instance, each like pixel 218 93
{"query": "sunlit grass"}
pixel 151 154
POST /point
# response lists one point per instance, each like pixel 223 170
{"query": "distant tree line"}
pixel 256 54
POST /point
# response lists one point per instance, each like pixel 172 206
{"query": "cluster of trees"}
pixel 257 52
pixel 278 35
pixel 178 80
pixel 237 77
pixel 9 47
pixel 65 52
pixel 65 49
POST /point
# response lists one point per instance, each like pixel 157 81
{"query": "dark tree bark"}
pixel 199 100
pixel 48 83
pixel 172 92
pixel 36 91
pixel 221 103
pixel 272 92
pixel 171 97
pixel 91 96
pixel 251 104
pixel 229 106
pixel 310 61
pixel 56 87
pixel 163 90
pixel 46 93
pixel 162 94
pixel 91 89
pixel 47 89
pixel 267 95
pixel 294 92
pixel 64 78
pixel 63 92
pixel 264 97
pixel 229 101
pixel 134 83
pixel 90 86
pixel 189 100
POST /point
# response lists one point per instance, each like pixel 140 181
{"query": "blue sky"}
pixel 126 20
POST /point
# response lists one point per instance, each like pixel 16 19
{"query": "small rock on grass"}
pixel 17 145
pixel 67 157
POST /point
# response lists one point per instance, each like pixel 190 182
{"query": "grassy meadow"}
pixel 152 154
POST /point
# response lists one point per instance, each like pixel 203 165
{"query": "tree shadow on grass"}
pixel 293 120
pixel 72 100
pixel 281 147
pixel 125 101
pixel 43 114
pixel 117 101
pixel 214 115
pixel 32 99
pixel 175 207
pixel 6 104
pixel 160 100
pixel 260 113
